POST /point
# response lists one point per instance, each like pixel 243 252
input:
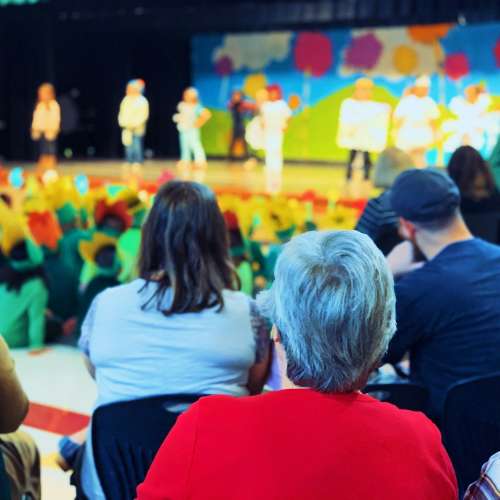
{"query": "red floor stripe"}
pixel 56 420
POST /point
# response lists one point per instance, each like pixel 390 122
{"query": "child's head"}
pixel 422 86
pixel 135 87
pixel 237 96
pixel 190 95
pixel 46 92
pixel 363 89
pixel 274 92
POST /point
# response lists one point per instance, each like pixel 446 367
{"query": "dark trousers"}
pixel 238 135
pixel 367 163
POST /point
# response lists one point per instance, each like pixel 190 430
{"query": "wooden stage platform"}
pixel 325 180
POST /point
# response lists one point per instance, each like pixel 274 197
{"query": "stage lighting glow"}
pixel 68 153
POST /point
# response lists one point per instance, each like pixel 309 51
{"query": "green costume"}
pixel 22 314
pixel 245 274
pixel 129 245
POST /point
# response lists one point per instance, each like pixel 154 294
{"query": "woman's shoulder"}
pixel 123 294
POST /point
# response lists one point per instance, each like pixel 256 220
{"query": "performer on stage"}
pixel 46 126
pixel 415 121
pixel 190 117
pixel 132 118
pixel 238 108
pixel 275 115
pixel 472 121
pixel 363 125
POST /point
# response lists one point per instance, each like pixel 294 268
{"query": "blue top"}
pixel 448 317
pixel 139 353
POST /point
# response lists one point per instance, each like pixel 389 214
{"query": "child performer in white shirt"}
pixel 46 126
pixel 472 121
pixel 275 115
pixel 132 118
pixel 415 122
pixel 363 125
pixel 190 118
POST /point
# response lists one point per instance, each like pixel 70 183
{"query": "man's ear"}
pixel 406 229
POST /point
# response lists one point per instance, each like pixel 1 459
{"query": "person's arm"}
pixel 13 400
pixel 259 372
pixel 411 321
pixel 169 475
pixel 38 299
pixel 85 335
pixel 205 115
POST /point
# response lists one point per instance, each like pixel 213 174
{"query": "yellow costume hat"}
pixel 89 248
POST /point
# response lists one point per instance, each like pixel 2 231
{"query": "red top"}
pixel 299 444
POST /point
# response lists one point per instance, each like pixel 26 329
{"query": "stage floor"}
pixel 224 176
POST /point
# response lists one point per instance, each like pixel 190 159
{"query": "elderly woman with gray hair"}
pixel 332 304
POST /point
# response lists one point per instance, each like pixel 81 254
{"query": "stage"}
pixel 326 180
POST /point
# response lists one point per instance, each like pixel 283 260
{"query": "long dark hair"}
pixel 465 166
pixel 15 279
pixel 185 247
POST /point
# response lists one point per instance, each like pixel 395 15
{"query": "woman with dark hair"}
pixel 182 327
pixel 23 296
pixel 474 179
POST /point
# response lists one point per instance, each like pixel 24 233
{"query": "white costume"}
pixel 274 116
pixel 471 125
pixel 132 118
pixel 416 115
pixel 189 134
pixel 363 125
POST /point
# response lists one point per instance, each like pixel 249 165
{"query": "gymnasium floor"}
pixel 56 381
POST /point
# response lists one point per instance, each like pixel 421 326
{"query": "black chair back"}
pixel 404 395
pixel 126 437
pixel 471 425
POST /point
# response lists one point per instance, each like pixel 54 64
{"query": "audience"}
pixel 474 179
pixel 181 327
pixel 448 307
pixel 332 304
pixel 378 219
pixel 487 487
pixel 20 454
pixel 23 295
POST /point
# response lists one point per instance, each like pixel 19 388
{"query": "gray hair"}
pixel 333 304
pixel 390 163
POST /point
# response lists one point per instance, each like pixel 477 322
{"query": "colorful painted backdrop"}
pixel 316 71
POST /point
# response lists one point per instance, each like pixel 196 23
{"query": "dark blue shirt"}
pixel 448 315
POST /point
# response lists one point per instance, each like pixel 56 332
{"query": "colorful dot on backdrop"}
pixel 253 83
pixel 294 102
pixel 363 52
pixel 456 66
pixel 223 66
pixel 405 59
pixel 313 53
pixel 496 51
pixel 16 177
pixel 428 34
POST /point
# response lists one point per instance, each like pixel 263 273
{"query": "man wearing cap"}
pixel 448 305
pixel 415 121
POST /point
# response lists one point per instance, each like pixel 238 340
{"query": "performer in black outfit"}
pixel 238 108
